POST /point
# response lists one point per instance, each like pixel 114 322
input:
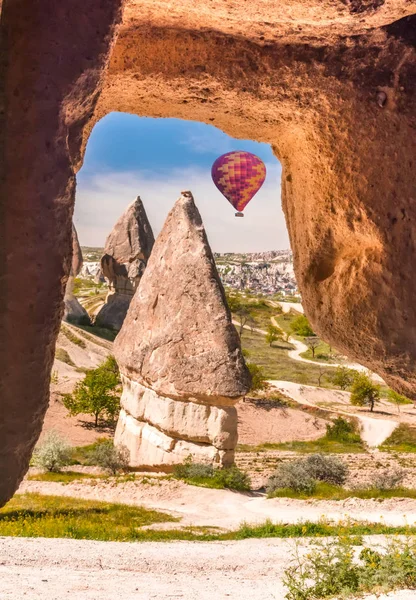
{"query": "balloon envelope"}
pixel 238 176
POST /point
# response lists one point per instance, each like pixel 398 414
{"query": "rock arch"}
pixel 331 85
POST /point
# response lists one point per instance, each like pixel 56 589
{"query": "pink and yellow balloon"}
pixel 239 176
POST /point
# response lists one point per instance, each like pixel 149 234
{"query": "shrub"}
pixel 258 378
pixel 388 479
pixel 294 476
pixel 301 326
pixel 109 457
pixel 206 475
pixel 330 569
pixel 53 454
pixel 341 430
pixel 326 468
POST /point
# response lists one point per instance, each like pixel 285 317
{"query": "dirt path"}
pixel 58 569
pixel 204 507
pixel 374 430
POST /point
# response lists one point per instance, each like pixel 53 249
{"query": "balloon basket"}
pixel 239 214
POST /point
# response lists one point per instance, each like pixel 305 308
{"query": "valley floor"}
pixel 58 569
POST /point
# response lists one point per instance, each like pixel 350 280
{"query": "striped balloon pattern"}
pixel 238 176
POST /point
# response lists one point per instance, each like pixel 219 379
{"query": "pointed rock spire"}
pixel 179 353
pixel 126 253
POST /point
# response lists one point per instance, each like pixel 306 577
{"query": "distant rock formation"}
pixel 73 311
pixel 179 355
pixel 126 253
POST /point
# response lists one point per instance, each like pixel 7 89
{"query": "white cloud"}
pixel 103 197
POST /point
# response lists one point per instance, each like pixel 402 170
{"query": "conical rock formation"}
pixel 126 253
pixel 74 312
pixel 179 354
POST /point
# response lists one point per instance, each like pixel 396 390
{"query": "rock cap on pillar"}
pixel 178 338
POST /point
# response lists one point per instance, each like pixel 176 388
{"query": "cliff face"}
pixel 126 253
pixel 179 354
pixel 328 83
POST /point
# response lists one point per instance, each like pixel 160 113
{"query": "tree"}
pixel 239 310
pixel 273 334
pixel 322 372
pixel 343 377
pixel 364 392
pixel 301 326
pixel 398 399
pixel 98 393
pixel 258 379
pixel 312 342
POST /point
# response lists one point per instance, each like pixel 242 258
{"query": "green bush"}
pixel 388 479
pixel 331 569
pixel 303 474
pixel 109 457
pixel 364 392
pixel 53 454
pixel 341 430
pixel 258 378
pixel 301 326
pixel 294 476
pixel 327 468
pixel 207 476
pixel 343 377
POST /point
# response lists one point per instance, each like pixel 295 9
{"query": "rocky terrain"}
pixel 74 312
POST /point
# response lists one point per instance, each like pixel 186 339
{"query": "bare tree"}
pixel 312 342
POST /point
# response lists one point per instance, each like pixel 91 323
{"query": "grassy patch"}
pixel 322 528
pixel 403 439
pixel 63 476
pixel 315 446
pixel 276 363
pixel 204 475
pixel 63 356
pixel 323 353
pixel 81 455
pixel 72 337
pixel 328 491
pixel 95 331
pixel 35 515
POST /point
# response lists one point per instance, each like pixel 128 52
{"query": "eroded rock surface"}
pixel 127 250
pixel 330 84
pixel 74 312
pixel 179 354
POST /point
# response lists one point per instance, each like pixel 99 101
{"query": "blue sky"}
pixel 129 156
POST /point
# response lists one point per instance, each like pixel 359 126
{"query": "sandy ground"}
pixel 375 428
pixel 225 509
pixel 58 569
pixel 259 422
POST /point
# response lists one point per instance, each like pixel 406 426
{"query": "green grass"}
pixel 35 515
pixel 403 439
pixel 63 476
pixel 316 446
pixel 72 337
pixel 81 455
pixel 328 491
pixel 323 353
pixel 63 356
pixel 276 363
pixel 95 331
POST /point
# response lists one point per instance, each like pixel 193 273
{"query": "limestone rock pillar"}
pixel 74 312
pixel 126 253
pixel 179 353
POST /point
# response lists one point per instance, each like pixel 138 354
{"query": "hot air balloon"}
pixel 239 176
